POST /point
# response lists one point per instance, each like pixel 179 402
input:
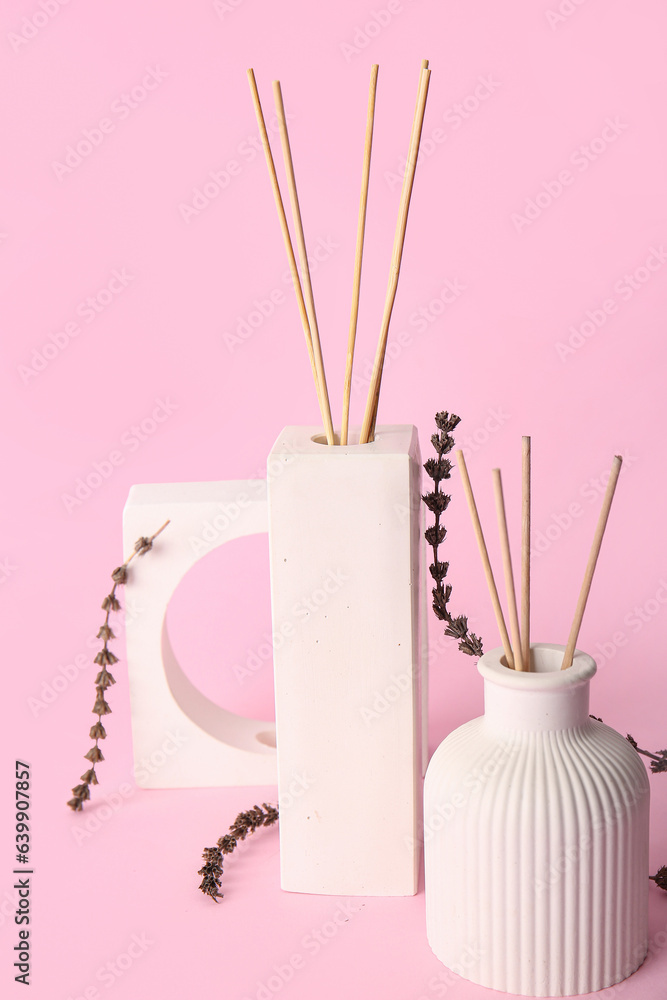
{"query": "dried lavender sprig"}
pixel 439 469
pixel 660 878
pixel 245 823
pixel 105 679
pixel 658 759
pixel 658 764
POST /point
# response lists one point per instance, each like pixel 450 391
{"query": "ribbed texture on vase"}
pixel 536 853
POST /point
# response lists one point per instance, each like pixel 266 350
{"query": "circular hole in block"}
pixel 268 738
pixel 219 626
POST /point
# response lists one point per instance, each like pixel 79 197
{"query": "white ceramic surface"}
pixel 536 837
pixel 345 541
pixel 181 738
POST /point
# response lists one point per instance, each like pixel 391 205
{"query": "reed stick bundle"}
pixel 304 293
pixel 518 653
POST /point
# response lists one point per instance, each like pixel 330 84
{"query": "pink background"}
pixel 520 96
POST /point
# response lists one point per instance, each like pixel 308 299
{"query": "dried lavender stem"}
pixel 437 502
pixel 104 678
pixel 245 823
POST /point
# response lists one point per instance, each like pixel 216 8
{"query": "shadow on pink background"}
pixel 133 271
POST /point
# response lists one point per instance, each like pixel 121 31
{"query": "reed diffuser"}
pixel 348 679
pixel 536 814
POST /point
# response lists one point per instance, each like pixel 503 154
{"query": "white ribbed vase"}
pixel 536 837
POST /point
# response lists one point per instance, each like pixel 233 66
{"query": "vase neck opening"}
pixel 545 698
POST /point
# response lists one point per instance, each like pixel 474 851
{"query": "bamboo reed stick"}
pixel 507 568
pixel 303 260
pixel 486 563
pixel 286 233
pixel 592 560
pixel 367 430
pixel 358 255
pixel 525 551
pixel 424 66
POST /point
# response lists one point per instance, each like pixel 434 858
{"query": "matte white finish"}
pixel 536 837
pixel 345 543
pixel 181 738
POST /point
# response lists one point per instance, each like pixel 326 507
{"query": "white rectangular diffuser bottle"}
pixel 345 531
